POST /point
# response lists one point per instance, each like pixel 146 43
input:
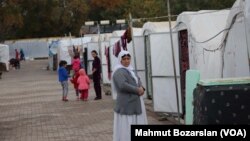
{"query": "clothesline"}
pixel 122 42
pixel 119 45
pixel 161 17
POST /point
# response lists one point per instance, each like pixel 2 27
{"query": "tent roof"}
pixel 156 27
pixel 118 33
pixel 236 9
pixel 202 25
pixel 236 41
pixel 68 42
pixel 205 31
pixel 34 39
pixel 3 45
pixel 74 41
pixel 103 37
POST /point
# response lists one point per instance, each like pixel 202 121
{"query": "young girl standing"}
pixel 83 84
pixel 63 79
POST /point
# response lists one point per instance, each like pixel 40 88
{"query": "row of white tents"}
pixel 216 42
pixel 33 48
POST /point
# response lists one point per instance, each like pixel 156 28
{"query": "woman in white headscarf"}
pixel 129 107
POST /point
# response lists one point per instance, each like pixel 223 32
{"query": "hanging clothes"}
pixel 124 42
pixel 117 48
pixel 126 38
pixel 107 54
pixel 128 35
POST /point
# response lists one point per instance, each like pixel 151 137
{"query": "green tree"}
pixel 106 9
pixel 53 18
pixel 117 9
pixel 178 6
pixel 43 18
pixel 10 18
pixel 149 8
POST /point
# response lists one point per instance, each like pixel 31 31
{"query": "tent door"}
pixel 55 62
pixel 85 58
pixel 184 61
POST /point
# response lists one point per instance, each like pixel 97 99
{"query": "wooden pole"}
pixel 174 66
pixel 133 42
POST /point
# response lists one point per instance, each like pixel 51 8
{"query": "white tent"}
pixel 65 47
pixel 160 72
pixel 33 48
pixel 104 44
pixel 156 27
pixel 205 31
pixel 4 55
pixel 105 76
pixel 116 36
pixel 52 54
pixel 90 47
pixel 200 26
pixel 247 16
pixel 98 43
pixel 236 59
pixel 117 33
pixel 139 51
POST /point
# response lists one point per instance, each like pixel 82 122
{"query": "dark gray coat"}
pixel 128 100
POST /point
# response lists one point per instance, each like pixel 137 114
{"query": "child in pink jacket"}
pixel 83 87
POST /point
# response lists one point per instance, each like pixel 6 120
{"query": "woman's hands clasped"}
pixel 140 91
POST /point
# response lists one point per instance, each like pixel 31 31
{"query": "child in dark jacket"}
pixel 63 79
pixel 74 81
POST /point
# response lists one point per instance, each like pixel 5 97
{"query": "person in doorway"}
pixel 17 59
pixel 129 106
pixel 96 71
pixel 63 79
pixel 17 54
pixel 83 84
pixel 22 56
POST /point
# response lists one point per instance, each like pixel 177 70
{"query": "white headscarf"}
pixel 118 66
pixel 129 68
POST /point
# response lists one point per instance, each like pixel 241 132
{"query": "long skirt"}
pixel 122 123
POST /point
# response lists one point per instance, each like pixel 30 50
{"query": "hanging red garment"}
pixel 124 42
pixel 128 35
pixel 117 48
pixel 126 38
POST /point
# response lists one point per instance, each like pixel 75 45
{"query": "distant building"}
pixel 93 29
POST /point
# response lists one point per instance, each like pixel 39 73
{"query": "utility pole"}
pixel 133 42
pixel 99 45
pixel 174 66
